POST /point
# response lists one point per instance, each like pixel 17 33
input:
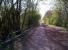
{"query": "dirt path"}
pixel 44 38
pixel 38 39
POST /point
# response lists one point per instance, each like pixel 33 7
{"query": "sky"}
pixel 44 6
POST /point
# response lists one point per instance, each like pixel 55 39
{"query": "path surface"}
pixel 44 38
pixel 40 39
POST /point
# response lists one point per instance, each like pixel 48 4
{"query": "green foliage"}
pixel 57 18
pixel 32 17
pixel 35 17
pixel 11 19
pixel 59 15
pixel 51 19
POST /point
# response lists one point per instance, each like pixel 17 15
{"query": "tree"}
pixel 11 14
